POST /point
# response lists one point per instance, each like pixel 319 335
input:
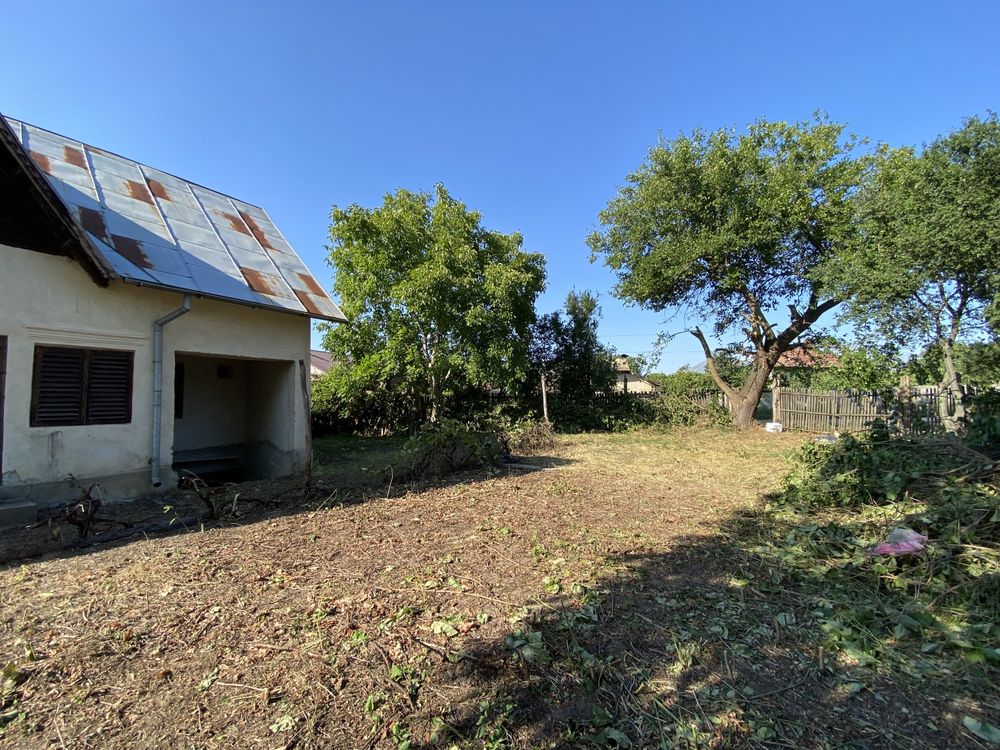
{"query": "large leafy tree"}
pixel 928 272
pixel 437 303
pixel 734 229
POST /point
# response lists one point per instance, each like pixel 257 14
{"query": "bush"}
pixel 876 468
pixel 529 436
pixel 984 422
pixel 612 412
pixel 687 398
pixel 345 401
pixel 445 448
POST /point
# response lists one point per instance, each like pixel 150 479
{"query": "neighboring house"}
pixel 797 365
pixel 320 363
pixel 147 324
pixel 627 381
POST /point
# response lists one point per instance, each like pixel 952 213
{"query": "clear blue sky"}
pixel 530 112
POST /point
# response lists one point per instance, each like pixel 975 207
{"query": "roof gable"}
pixel 33 216
pixel 155 229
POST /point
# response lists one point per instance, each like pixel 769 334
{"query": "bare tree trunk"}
pixel 744 407
pixel 545 400
pixel 435 401
pixel 952 419
pixel 768 347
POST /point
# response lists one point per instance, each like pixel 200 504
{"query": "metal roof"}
pixel 158 230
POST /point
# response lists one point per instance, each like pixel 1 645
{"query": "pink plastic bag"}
pixel 900 542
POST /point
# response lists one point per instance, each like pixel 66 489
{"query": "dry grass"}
pixel 405 621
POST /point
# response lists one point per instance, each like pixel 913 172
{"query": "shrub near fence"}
pixel 915 409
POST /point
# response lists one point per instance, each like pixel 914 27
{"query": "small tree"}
pixel 927 274
pixel 732 228
pixel 566 348
pixel 437 303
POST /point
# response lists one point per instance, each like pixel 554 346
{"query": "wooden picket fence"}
pixel 914 408
pixel 708 398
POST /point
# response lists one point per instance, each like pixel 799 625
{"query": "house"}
pixel 319 363
pixel 147 325
pixel 797 365
pixel 627 381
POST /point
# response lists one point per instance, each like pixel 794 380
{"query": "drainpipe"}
pixel 158 383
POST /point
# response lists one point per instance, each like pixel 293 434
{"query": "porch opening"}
pixel 233 418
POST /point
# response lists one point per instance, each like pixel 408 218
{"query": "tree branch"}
pixel 712 369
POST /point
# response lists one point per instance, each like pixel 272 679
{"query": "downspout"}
pixel 158 383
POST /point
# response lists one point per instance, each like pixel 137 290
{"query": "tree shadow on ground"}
pixel 712 644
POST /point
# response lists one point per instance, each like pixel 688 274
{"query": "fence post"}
pixel 776 399
pixel 905 397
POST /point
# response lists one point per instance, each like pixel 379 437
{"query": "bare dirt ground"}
pixel 598 603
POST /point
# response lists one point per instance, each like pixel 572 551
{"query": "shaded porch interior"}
pixel 233 418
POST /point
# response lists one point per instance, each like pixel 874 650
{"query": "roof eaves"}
pixel 77 247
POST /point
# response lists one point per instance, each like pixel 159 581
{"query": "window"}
pixel 81 386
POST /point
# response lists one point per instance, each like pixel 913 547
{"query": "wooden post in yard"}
pixel 545 401
pixel 905 397
pixel 776 399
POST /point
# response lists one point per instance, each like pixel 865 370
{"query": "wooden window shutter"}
pixel 81 387
pixel 57 391
pixel 109 388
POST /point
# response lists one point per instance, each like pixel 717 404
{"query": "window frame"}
pixel 85 382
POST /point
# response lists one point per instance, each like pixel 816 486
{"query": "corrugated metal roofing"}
pixel 159 230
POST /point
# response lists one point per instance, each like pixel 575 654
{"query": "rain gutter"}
pixel 158 383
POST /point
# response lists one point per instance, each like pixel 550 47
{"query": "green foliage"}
pixel 578 369
pixel 612 412
pixel 447 447
pixel 732 227
pixel 871 469
pixel 687 398
pixel 927 271
pixel 979 363
pixel 437 304
pixel 565 348
pixel 528 646
pixel 860 369
pixel 984 425
pixel 348 399
pixel 932 613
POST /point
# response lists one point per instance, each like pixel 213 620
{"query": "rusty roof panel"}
pixel 122 265
pixel 155 228
pixel 321 307
pixel 165 259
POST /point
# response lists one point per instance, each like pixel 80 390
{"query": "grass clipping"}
pixel 931 612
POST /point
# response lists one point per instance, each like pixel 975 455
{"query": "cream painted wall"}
pixel 215 409
pixel 50 300
pixel 636 384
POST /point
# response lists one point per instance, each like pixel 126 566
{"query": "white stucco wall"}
pixel 633 384
pixel 50 300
